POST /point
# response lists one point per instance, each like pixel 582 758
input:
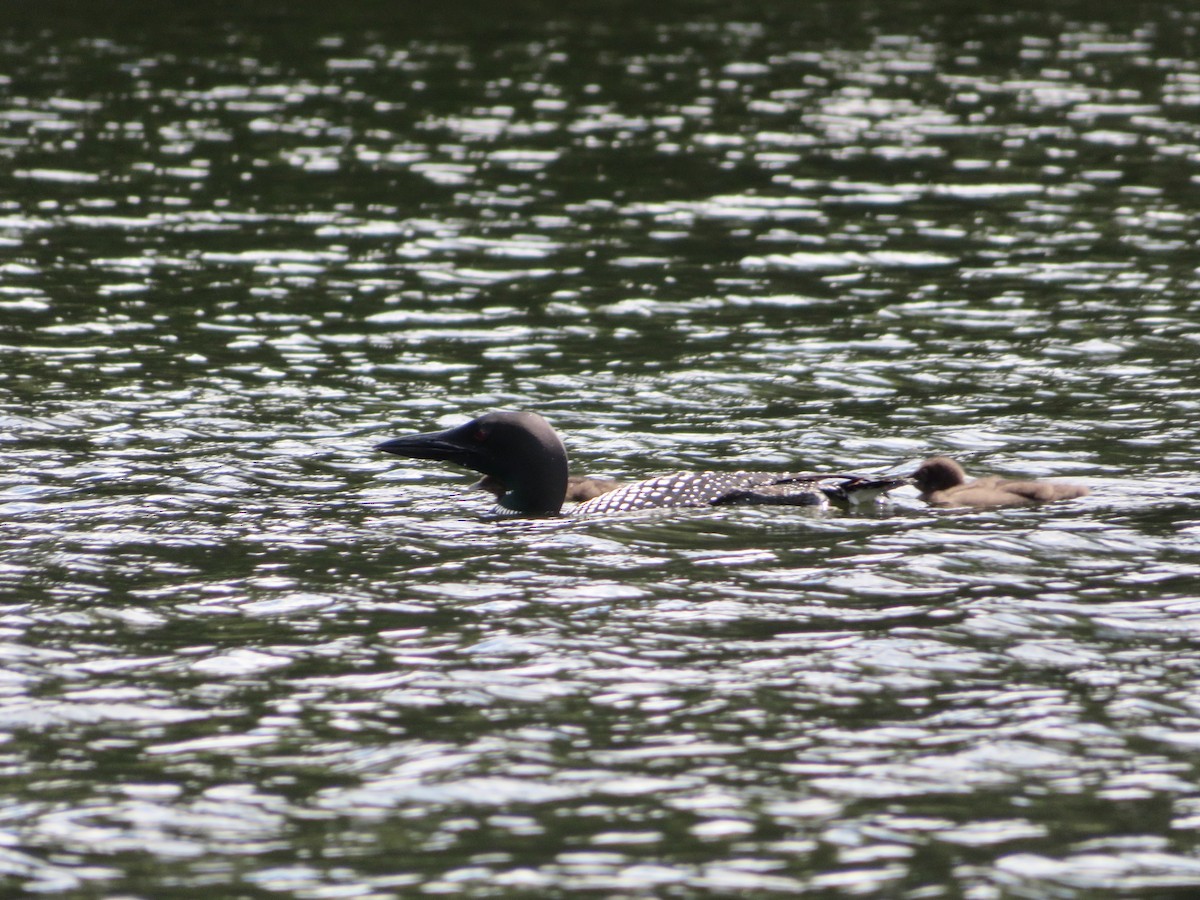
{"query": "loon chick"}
pixel 524 463
pixel 584 487
pixel 943 482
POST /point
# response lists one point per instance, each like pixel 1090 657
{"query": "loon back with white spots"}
pixel 696 489
pixel 524 463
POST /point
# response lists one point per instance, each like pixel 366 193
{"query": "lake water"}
pixel 243 655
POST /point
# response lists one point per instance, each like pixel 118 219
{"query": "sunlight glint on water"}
pixel 240 651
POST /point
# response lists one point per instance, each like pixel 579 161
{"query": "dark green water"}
pixel 241 655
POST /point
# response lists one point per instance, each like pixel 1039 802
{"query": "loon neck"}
pixel 522 459
pixel 543 496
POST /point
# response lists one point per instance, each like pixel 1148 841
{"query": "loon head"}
pixel 522 459
pixel 938 473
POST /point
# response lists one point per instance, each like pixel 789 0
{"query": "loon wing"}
pixel 810 490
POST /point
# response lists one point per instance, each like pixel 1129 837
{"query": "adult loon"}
pixel 524 463
pixel 942 482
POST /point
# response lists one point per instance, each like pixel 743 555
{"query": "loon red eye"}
pixel 479 435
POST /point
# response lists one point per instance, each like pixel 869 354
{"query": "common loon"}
pixel 943 482
pixel 524 463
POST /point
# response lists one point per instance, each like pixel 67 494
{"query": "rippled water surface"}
pixel 242 654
